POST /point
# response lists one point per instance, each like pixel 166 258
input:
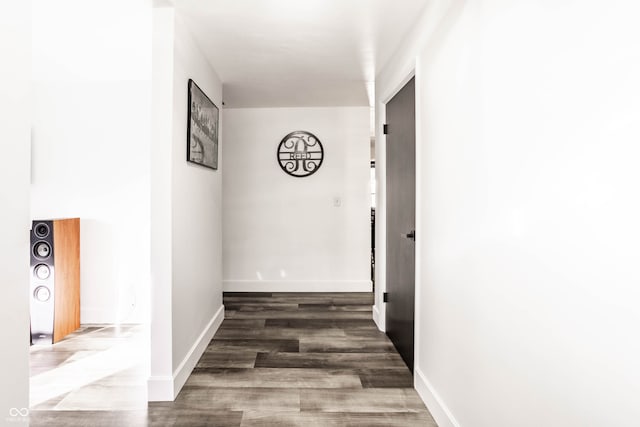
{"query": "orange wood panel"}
pixel 66 246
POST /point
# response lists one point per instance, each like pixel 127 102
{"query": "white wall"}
pixel 15 41
pixel 284 233
pixel 160 384
pixel 196 207
pixel 528 206
pixel 91 120
pixel 186 219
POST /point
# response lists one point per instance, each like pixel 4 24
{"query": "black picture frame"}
pixel 203 120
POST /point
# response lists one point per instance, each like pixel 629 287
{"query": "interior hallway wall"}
pixel 15 45
pixel 186 218
pixel 284 233
pixel 91 143
pixel 528 211
pixel 196 208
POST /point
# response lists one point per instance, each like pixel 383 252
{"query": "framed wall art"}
pixel 202 128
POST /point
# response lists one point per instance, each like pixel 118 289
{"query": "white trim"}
pixel 97 315
pixel 419 241
pixel 379 320
pixel 183 370
pixel 160 383
pixel 395 89
pixel 296 285
pixel 381 214
pixel 166 388
pixel 160 389
pixel 381 195
pixel 433 402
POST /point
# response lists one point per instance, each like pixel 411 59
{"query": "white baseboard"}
pixel 297 285
pixel 433 402
pixel 377 319
pixel 183 370
pixel 97 316
pixel 166 388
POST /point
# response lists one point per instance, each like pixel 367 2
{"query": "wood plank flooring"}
pixel 286 359
pixel 97 367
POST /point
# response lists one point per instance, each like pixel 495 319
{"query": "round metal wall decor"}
pixel 300 154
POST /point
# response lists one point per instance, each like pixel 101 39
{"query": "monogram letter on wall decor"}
pixel 300 154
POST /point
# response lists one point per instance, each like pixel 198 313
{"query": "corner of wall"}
pixel 165 388
pixel 432 400
pixel 15 109
pixel 160 389
pixel 160 382
pixel 182 372
pixel 378 319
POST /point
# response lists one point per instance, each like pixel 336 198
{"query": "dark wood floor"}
pixel 285 359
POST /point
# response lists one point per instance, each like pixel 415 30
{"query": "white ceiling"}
pixel 289 53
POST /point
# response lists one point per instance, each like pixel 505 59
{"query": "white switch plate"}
pixel 337 201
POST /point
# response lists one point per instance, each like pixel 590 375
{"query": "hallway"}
pixel 288 359
pixel 285 359
pixel 526 281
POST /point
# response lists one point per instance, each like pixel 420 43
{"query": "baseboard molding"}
pixel 297 285
pixel 166 388
pixel 183 370
pixel 377 319
pixel 432 400
pixel 97 315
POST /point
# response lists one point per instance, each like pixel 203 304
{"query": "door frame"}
pixel 379 309
pixel 398 332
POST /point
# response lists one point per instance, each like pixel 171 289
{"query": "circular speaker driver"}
pixel 41 230
pixel 42 293
pixel 42 250
pixel 42 271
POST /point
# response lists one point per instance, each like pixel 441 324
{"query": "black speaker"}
pixel 55 279
pixel 42 282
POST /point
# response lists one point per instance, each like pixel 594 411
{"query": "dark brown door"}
pixel 401 218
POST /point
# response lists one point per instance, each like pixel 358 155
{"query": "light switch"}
pixel 337 201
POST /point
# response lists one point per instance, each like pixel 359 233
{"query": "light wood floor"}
pixel 284 359
pixel 98 367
